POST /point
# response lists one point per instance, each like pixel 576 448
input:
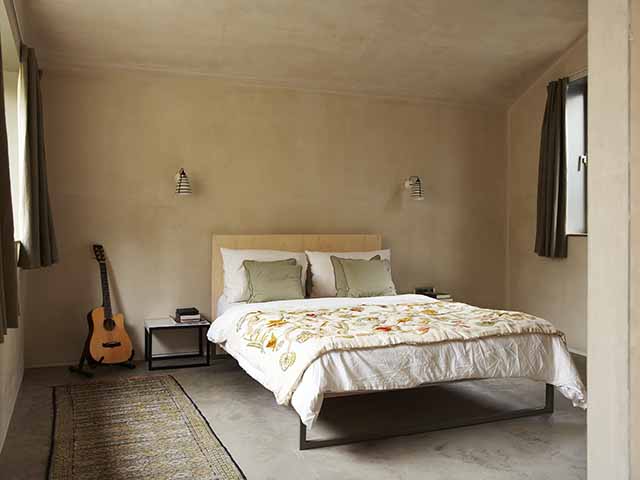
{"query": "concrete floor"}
pixel 262 437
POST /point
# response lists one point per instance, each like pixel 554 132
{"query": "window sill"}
pixel 18 247
pixel 577 234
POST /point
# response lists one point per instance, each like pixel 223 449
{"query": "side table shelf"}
pixel 153 325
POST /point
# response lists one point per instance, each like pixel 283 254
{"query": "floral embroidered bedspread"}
pixel 289 340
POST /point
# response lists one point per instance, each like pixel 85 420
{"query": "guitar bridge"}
pixel 111 344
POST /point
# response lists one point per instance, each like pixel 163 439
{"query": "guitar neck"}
pixel 106 298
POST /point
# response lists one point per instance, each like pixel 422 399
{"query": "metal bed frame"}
pixel 307 444
pixel 341 243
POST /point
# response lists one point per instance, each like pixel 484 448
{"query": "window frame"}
pixel 581 82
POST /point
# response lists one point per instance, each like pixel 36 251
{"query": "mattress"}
pixel 538 357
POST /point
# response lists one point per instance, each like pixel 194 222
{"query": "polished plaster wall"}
pixel 609 259
pixel 261 160
pixel 555 289
pixel 12 345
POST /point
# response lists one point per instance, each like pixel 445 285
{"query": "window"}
pixel 576 132
pixel 10 66
pixel 10 79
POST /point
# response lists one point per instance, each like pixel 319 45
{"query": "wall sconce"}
pixel 183 185
pixel 414 185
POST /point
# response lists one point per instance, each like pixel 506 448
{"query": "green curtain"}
pixel 8 270
pixel 551 238
pixel 39 248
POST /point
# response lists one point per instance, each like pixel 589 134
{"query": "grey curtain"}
pixel 551 239
pixel 8 270
pixel 39 248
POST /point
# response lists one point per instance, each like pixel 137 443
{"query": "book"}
pixel 187 318
pixel 187 315
pixel 425 291
pixel 190 319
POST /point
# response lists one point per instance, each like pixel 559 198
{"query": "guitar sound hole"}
pixel 109 324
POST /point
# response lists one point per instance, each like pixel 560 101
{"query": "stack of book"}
pixel 187 315
pixel 431 292
pixel 443 297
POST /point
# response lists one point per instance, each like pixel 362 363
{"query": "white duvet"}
pixel 538 357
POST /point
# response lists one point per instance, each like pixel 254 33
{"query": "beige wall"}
pixel 261 161
pixel 608 441
pixel 12 349
pixel 11 370
pixel 555 289
pixel 634 271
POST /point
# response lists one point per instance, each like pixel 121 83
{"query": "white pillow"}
pixel 235 275
pixel 223 305
pixel 323 282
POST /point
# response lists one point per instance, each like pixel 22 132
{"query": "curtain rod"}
pixel 578 74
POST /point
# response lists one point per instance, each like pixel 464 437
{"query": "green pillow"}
pixel 338 273
pixel 269 281
pixel 367 278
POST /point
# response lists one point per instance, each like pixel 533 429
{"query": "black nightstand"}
pixel 204 351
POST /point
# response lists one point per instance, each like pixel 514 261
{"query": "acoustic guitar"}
pixel 108 341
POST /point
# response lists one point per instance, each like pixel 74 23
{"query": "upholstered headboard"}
pixel 291 243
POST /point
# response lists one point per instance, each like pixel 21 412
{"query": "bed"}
pixel 367 345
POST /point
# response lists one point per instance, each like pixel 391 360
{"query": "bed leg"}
pixel 303 437
pixel 548 398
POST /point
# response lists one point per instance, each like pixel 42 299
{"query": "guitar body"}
pixel 108 340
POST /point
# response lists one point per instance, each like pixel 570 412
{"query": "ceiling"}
pixel 468 51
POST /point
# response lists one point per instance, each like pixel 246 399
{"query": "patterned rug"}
pixel 142 428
